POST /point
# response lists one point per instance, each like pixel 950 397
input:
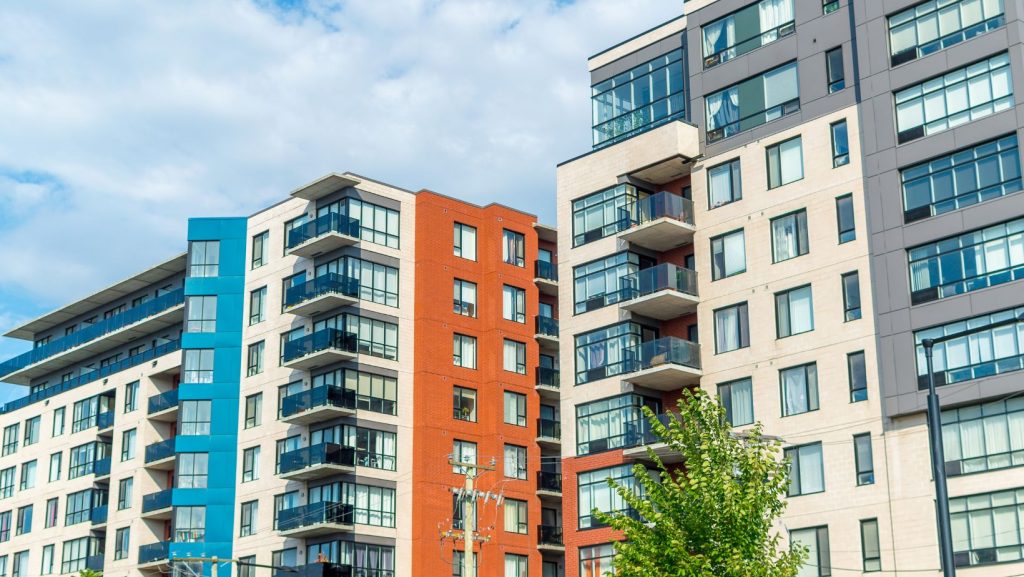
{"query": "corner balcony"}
pixel 549 485
pixel 639 437
pixel 547 333
pixel 160 455
pixel 101 469
pixel 164 407
pixel 326 570
pixel 105 423
pixel 656 155
pixel 155 315
pixel 153 555
pixel 157 505
pixel 324 293
pixel 549 539
pixel 329 232
pixel 318 404
pixel 98 517
pixel 547 383
pixel 665 364
pixel 94 562
pixel 549 433
pixel 321 348
pixel 659 222
pixel 661 292
pixel 316 462
pixel 315 519
pixel 546 277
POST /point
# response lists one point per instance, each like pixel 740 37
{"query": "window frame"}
pixel 770 165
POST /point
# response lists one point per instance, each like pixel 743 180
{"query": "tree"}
pixel 90 573
pixel 712 517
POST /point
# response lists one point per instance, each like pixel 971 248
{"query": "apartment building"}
pixel 290 394
pixel 783 199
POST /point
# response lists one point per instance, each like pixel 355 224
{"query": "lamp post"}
pixel 935 438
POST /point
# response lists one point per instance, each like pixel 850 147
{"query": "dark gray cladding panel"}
pixel 634 59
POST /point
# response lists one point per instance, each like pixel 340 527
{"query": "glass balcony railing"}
pixel 94 331
pixel 548 481
pixel 156 501
pixel 546 270
pixel 152 552
pixel 324 396
pixel 163 401
pixel 549 428
pixel 322 285
pixel 94 563
pixel 547 326
pixel 547 377
pixel 320 341
pixel 549 535
pixel 638 433
pixel 322 454
pixel 330 222
pixel 159 451
pixel 315 514
pixel 96 375
pixel 326 570
pixel 101 467
pixel 666 350
pixel 98 515
pixel 655 206
pixel 665 276
pixel 105 420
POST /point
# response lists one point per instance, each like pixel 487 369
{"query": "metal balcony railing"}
pixel 320 570
pixel 549 535
pixel 156 501
pixel 547 377
pixel 638 433
pixel 330 222
pixel 323 396
pixel 322 454
pixel 666 276
pixel 154 552
pixel 159 450
pixel 320 341
pixel 655 206
pixel 330 283
pixel 546 270
pixel 549 428
pixel 163 401
pixel 315 514
pixel 548 481
pixel 547 326
pixel 666 350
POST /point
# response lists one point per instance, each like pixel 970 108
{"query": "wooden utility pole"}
pixel 467 500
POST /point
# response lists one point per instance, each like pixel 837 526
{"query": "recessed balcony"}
pixel 98 517
pixel 160 455
pixel 324 293
pixel 316 462
pixel 324 347
pixel 549 538
pixel 318 404
pixel 546 277
pixel 322 235
pixel 549 485
pixel 639 437
pixel 101 468
pixel 153 555
pixel 662 292
pixel 315 519
pixel 665 364
pixel 547 333
pixel 547 383
pixel 549 433
pixel 157 505
pixel 659 222
pixel 164 407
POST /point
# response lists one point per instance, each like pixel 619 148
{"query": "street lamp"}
pixel 935 438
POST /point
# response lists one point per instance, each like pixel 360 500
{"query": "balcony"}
pixel 329 232
pixel 549 484
pixel 318 404
pixel 661 292
pixel 160 455
pixel 324 293
pixel 659 222
pixel 549 538
pixel 321 348
pixel 546 277
pixel 323 570
pixel 639 437
pixel 101 468
pixel 665 364
pixel 94 563
pixel 150 317
pixel 164 406
pixel 105 422
pixel 547 332
pixel 547 382
pixel 549 433
pixel 315 519
pixel 154 554
pixel 316 462
pixel 157 505
pixel 656 155
pixel 98 516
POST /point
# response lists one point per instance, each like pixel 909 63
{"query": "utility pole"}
pixel 467 500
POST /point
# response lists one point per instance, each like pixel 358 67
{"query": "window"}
pixel 284 558
pixel 516 565
pixel 128 445
pixel 459 509
pixel 845 219
pixel 260 249
pixel 513 248
pixel 247 524
pixel 58 422
pixel 988 352
pixel 189 524
pixel 200 314
pixel 840 144
pixel 612 423
pixel 10 445
pixel 649 95
pixel 746 29
pixel 514 357
pixel 374 449
pixel 464 298
pixel 32 429
pixel 851 296
pixel 24 520
pixel 373 505
pixel 377 224
pixel 829 6
pixel 871 550
pixel 737 397
pixel 799 389
pixel 254 362
pixel 732 329
pixel 986 529
pixel 932 26
pixel 464 404
pixel 597 560
pixel 515 516
pixel 377 282
pixel 375 393
pixel 19 564
pixel 594 493
pixel 204 258
pixel 464 351
pixel 246 566
pixel 962 178
pixel 984 437
pixel 251 464
pixel 785 162
pixel 124 493
pixel 766 97
pixel 515 462
pixel 956 98
pixel 51 514
pixel 463 452
pixel 864 460
pixel 257 305
pixel 724 184
pixel 283 446
pixel 195 418
pixel 122 538
pixel 789 236
pixel 601 214
pixel 818 561
pixel 728 255
pixel 131 396
pixel 465 241
pixel 515 409
pixel 968 262
pixel 609 351
pixel 47 566
pixel 28 475
pixel 198 366
pixel 598 283
pixel 374 337
pixel 458 558
pixel 794 312
pixel 7 483
pixel 806 470
pixel 192 470
pixel 77 507
pixel 858 377
pixel 5 526
pixel 834 69
pixel 513 304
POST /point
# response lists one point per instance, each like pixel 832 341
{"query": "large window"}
pixel 464 353
pixel 728 255
pixel 612 423
pixel 195 418
pixel 963 178
pixel 375 393
pixel 189 524
pixel 463 452
pixel 752 102
pixel 377 224
pixel 513 247
pixel 198 366
pixel 515 462
pixel 598 283
pixel 84 414
pixel 464 298
pixel 516 565
pixel 204 258
pixel 374 448
pixel 989 352
pixel 597 561
pixel 75 554
pixel 987 528
pixel 638 99
pixel 513 304
pixel 984 437
pixel 192 470
pixel 794 312
pixel 515 409
pixel 818 562
pixel 514 356
pixel 737 398
pixel 806 470
pixel 746 29
pixel 938 24
pixel 724 184
pixel 799 389
pixel 789 236
pixel 374 337
pixel 732 328
pixel 516 516
pixel 77 507
pixel 465 241
pixel 594 493
pixel 602 213
pixel 955 98
pixel 968 262
pixel 378 283
pixel 609 351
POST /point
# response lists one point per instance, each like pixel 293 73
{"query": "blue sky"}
pixel 121 123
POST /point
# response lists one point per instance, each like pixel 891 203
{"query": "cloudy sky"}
pixel 122 119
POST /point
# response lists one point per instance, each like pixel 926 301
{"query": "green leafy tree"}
pixel 713 516
pixel 90 573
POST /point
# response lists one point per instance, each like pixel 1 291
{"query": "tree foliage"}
pixel 712 517
pixel 90 573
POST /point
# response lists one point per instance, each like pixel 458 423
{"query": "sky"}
pixel 122 120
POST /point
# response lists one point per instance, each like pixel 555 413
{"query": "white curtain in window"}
pixel 712 33
pixel 801 311
pixel 951 442
pixel 903 37
pixel 508 303
pixel 735 254
pixel 1015 427
pixel 714 104
pixel 774 13
pixel 972 439
pixel 784 238
pixel 997 435
pixel 811 469
pixel 780 85
pixel 742 403
pixel 791 160
pixel 727 329
pixel 720 183
pixel 794 384
pixel 808 538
